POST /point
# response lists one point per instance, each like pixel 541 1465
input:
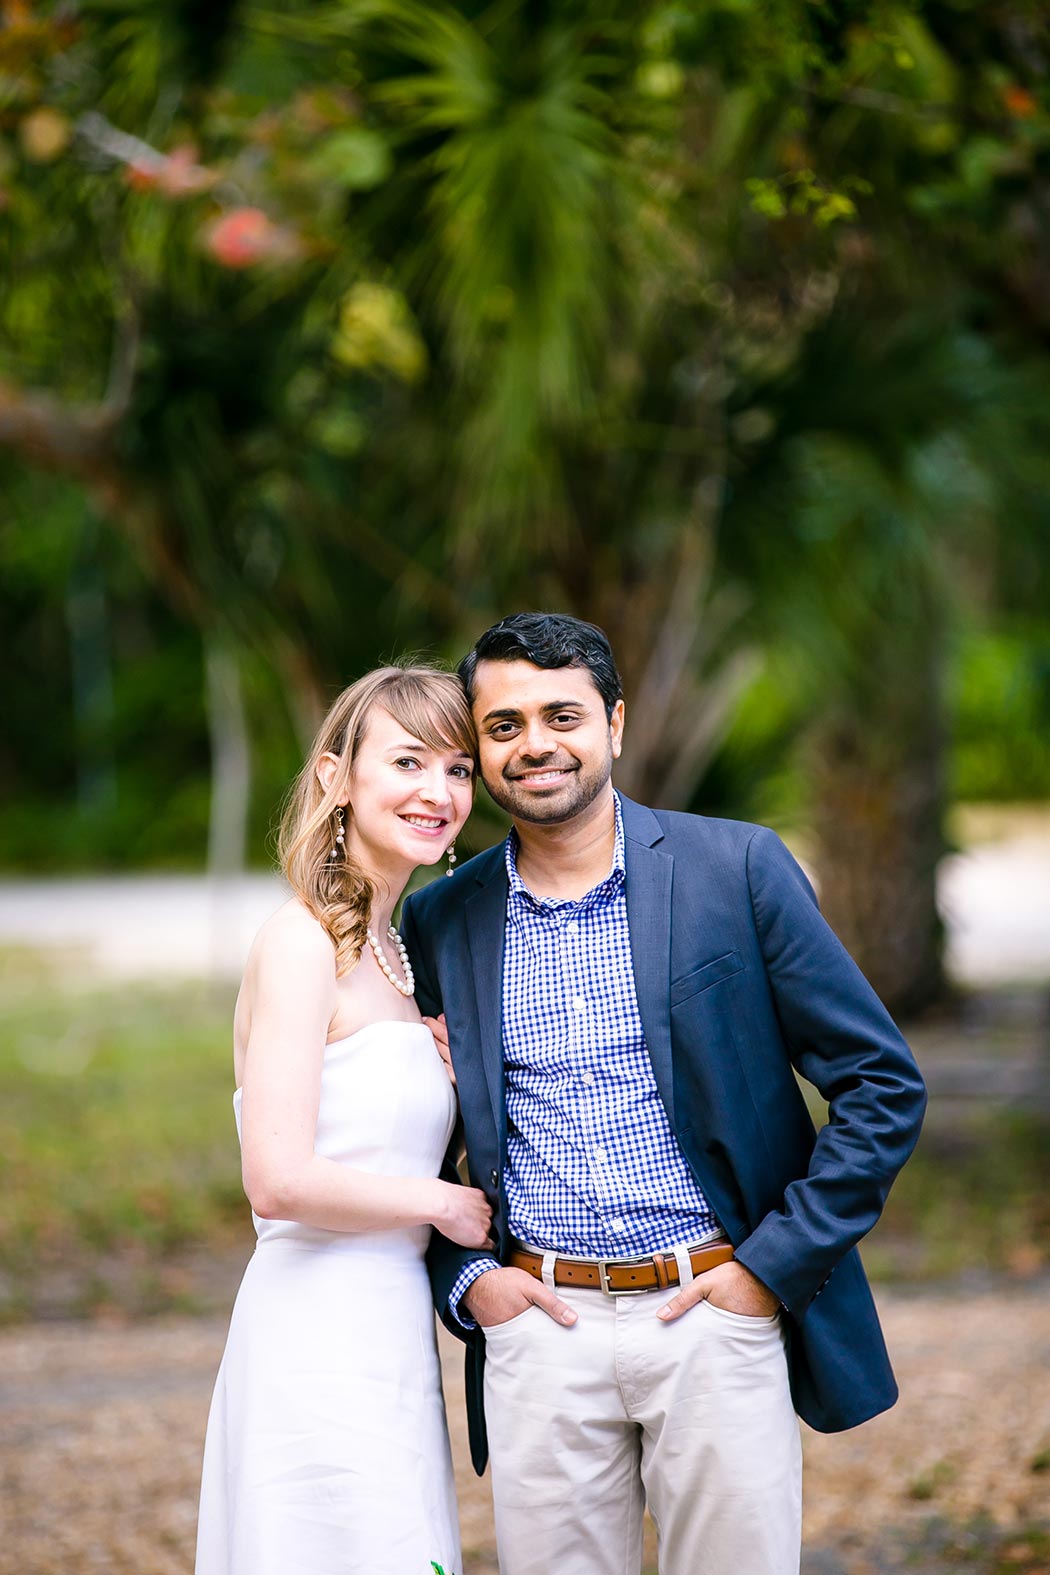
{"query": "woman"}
pixel 327 1449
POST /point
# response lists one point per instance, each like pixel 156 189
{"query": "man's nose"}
pixel 536 743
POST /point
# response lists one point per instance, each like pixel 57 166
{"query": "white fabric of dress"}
pixel 327 1449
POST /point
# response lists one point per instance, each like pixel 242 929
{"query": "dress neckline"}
pixel 380 1022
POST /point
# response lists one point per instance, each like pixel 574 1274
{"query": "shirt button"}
pixel 601 1155
pixel 616 1225
pixel 573 927
pixel 588 1078
pixel 579 1004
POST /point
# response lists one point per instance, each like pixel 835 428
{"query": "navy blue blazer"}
pixel 740 984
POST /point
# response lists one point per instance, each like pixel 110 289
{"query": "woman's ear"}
pixel 328 769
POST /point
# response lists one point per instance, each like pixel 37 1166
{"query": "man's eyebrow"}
pixel 511 712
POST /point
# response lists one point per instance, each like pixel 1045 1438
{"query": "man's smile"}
pixel 543 776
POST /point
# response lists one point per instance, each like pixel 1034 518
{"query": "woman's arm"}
pixel 294 999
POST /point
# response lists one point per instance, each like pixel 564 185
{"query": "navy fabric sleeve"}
pixel 842 1039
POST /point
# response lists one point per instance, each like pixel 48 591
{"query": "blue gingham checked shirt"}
pixel 593 1169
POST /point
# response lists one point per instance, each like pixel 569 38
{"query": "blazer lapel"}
pixel 485 913
pixel 650 874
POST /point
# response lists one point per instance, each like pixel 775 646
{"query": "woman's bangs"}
pixel 432 712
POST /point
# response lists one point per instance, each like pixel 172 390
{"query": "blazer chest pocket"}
pixel 703 978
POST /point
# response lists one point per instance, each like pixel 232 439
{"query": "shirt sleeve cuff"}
pixel 465 1278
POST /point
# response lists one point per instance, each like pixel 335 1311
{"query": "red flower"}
pixel 242 237
pixel 1019 102
pixel 142 176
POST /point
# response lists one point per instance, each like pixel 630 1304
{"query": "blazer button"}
pixel 494 1177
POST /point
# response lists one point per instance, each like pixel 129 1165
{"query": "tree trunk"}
pixel 87 623
pixel 879 809
pixel 684 665
pixel 230 761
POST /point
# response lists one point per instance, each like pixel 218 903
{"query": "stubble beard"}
pixel 568 802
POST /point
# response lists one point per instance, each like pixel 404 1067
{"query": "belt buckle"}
pixel 625 1263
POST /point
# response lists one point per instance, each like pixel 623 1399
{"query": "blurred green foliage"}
pixel 1002 716
pixel 342 326
pixel 108 767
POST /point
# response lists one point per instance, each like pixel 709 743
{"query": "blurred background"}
pixel 330 332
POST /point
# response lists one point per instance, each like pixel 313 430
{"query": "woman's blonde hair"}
pixel 432 707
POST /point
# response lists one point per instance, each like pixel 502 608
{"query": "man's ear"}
pixel 328 769
pixel 616 728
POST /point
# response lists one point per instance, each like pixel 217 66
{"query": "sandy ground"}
pixel 100 1450
pixel 995 897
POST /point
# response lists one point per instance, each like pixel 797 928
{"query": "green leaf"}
pixel 358 159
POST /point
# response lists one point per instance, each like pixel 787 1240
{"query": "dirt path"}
pixel 102 1429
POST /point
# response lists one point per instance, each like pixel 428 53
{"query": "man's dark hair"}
pixel 547 640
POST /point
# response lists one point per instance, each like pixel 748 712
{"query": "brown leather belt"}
pixel 621 1276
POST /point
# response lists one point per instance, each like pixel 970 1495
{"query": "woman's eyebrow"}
pixel 424 749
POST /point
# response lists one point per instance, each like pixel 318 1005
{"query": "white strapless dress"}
pixel 327 1449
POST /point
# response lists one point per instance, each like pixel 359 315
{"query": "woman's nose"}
pixel 434 788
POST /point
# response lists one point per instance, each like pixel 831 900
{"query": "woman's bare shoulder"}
pixel 293 937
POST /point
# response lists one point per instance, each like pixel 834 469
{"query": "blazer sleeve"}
pixel 842 1040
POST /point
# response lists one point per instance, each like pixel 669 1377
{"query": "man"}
pixel 628 993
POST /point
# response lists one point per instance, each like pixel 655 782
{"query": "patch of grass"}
pixel 1024 1553
pixel 969 1198
pixel 120 1176
pixel 929 1483
pixel 978 1546
pixel 117 1138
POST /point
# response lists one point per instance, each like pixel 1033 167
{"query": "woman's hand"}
pixel 463 1215
pixel 439 1029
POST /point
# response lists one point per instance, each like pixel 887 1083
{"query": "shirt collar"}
pixel 605 887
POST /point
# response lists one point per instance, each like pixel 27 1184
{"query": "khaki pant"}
pixel 589 1423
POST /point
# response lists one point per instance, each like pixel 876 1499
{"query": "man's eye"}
pixel 502 730
pixel 567 716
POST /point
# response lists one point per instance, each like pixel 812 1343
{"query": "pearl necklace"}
pixel 409 986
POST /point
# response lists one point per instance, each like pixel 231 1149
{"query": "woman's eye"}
pixel 407 760
pixel 466 772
